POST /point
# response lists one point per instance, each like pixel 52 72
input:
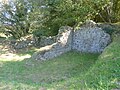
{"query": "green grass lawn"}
pixel 52 74
pixel 70 71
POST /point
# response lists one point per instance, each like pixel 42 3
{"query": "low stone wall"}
pixel 44 41
pixel 32 42
pixel 21 44
pixel 62 45
pixel 89 38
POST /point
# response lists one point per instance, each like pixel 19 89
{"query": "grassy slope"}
pixel 105 74
pixel 71 71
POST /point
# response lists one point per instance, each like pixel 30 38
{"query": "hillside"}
pixel 105 74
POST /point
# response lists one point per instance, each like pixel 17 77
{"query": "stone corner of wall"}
pixel 90 39
pixel 62 45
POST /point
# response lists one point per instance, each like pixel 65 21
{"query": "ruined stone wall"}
pixel 44 41
pixel 62 45
pixel 32 42
pixel 88 38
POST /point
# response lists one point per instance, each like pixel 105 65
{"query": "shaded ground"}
pixel 10 54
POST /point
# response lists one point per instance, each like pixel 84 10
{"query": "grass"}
pixel 29 74
pixel 105 74
pixel 70 71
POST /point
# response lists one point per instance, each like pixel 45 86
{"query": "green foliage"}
pixel 14 18
pixel 58 13
pixel 48 16
pixel 108 12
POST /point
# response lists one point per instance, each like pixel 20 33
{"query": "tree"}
pixel 107 11
pixel 15 18
pixel 44 17
pixel 57 13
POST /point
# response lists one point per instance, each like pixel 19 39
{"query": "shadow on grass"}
pixel 22 52
pixel 8 54
pixel 31 75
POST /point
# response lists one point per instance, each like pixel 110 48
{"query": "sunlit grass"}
pixel 13 57
pixel 9 54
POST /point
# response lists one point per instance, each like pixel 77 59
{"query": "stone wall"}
pixel 21 44
pixel 44 41
pixel 62 45
pixel 88 38
pixel 88 30
pixel 32 42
